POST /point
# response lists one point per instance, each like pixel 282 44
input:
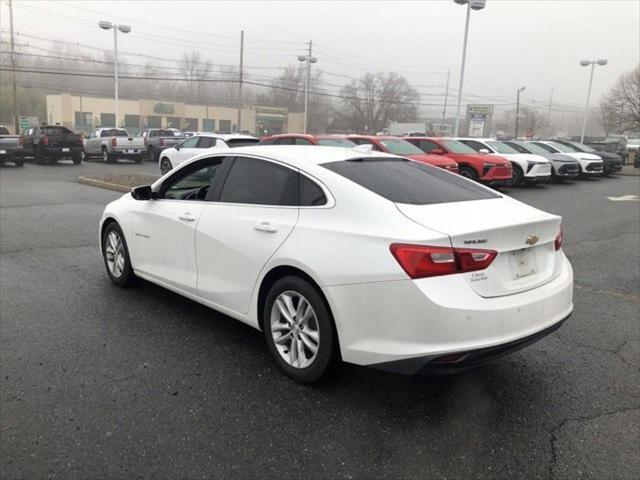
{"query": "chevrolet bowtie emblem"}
pixel 532 240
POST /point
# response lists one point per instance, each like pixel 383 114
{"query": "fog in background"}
pixel 537 44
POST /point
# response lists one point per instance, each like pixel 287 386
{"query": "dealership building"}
pixel 84 113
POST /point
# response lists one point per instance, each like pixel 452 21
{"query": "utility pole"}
pixel 309 58
pixel 16 121
pixel 239 129
pixel 549 109
pixel 446 97
pixel 517 110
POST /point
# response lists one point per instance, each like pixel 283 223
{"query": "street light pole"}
pixel 586 63
pixel 16 121
pixel 124 29
pixel 476 5
pixel 521 89
pixel 309 59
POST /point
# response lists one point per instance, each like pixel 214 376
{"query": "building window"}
pixel 107 120
pixel 208 125
pixel 132 124
pixel 191 124
pixel 174 122
pixel 154 121
pixel 82 119
pixel 225 126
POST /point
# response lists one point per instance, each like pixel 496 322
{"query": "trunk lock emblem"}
pixel 532 240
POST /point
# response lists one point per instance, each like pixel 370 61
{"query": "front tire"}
pixel 116 256
pixel 299 330
pixel 468 172
pixel 517 177
pixel 165 165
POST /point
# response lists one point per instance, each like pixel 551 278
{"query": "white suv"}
pixel 590 164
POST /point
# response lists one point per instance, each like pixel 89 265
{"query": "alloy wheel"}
pixel 295 330
pixel 165 165
pixel 114 254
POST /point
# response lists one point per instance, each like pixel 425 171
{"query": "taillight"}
pixel 21 140
pixel 420 261
pixel 161 142
pixel 114 143
pixel 558 241
pixel 45 140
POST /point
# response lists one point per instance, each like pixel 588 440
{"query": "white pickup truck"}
pixel 113 143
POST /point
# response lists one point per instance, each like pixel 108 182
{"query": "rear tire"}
pixel 517 176
pixel 18 161
pixel 115 254
pixel 38 155
pixel 77 158
pixel 138 159
pixel 106 156
pixel 151 152
pixel 468 172
pixel 304 329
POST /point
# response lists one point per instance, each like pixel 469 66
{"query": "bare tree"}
pixel 372 101
pixel 621 105
pixel 194 69
pixel 532 121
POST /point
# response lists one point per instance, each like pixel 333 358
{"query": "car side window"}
pixel 311 195
pixel 190 142
pixel 268 141
pixel 427 146
pixel 302 141
pixel 285 141
pixel 259 182
pixel 195 183
pixel 477 146
pixel 206 142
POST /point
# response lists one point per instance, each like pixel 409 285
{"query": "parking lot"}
pixel 108 383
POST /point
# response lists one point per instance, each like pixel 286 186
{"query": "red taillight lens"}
pixel 421 261
pixel 161 141
pixel 114 143
pixel 559 239
pixel 45 140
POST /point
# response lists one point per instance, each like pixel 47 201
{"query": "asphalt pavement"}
pixel 103 382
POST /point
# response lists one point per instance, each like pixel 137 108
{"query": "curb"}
pixel 101 184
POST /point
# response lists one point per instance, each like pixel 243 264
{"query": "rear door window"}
pixel 206 142
pixel 405 181
pixel 302 141
pixel 258 182
pixel 311 195
pixel 477 146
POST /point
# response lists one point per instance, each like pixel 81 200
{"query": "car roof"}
pixel 300 156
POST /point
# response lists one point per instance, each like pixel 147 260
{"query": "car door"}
pixel 92 146
pixel 27 140
pixel 164 228
pixel 252 215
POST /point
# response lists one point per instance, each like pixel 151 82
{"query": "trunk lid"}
pixel 523 236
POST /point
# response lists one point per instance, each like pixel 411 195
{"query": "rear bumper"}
pixel 63 151
pixel 128 152
pixel 404 325
pixel 9 153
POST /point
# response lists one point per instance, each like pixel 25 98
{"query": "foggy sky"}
pixel 536 44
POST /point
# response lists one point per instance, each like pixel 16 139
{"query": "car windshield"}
pixel 405 181
pixel 533 148
pixel 400 147
pixel 561 148
pixel 501 147
pixel 457 147
pixel 335 142
pixel 242 142
pixel 581 147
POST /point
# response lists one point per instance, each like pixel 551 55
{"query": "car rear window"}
pixel 336 142
pixel 55 130
pixel 242 142
pixel 405 181
pixel 166 133
pixel 114 132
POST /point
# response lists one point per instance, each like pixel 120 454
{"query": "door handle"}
pixel 265 227
pixel 187 217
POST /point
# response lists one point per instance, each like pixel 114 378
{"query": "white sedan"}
pixel 337 253
pixel 198 143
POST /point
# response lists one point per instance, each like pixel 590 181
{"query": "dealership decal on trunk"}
pixel 532 240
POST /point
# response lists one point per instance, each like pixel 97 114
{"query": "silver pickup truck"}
pixel 113 143
pixel 158 139
pixel 11 148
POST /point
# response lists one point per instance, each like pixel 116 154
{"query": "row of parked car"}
pixel 485 160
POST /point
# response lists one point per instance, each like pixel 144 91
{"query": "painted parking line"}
pixel 625 198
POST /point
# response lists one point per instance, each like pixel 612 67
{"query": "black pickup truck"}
pixel 10 147
pixel 51 143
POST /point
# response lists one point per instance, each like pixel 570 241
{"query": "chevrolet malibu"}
pixel 340 254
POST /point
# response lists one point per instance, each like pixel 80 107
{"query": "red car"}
pixel 471 164
pixel 400 146
pixel 304 139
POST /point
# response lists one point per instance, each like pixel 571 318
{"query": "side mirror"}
pixel 438 151
pixel 143 192
pixel 177 146
pixel 484 150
